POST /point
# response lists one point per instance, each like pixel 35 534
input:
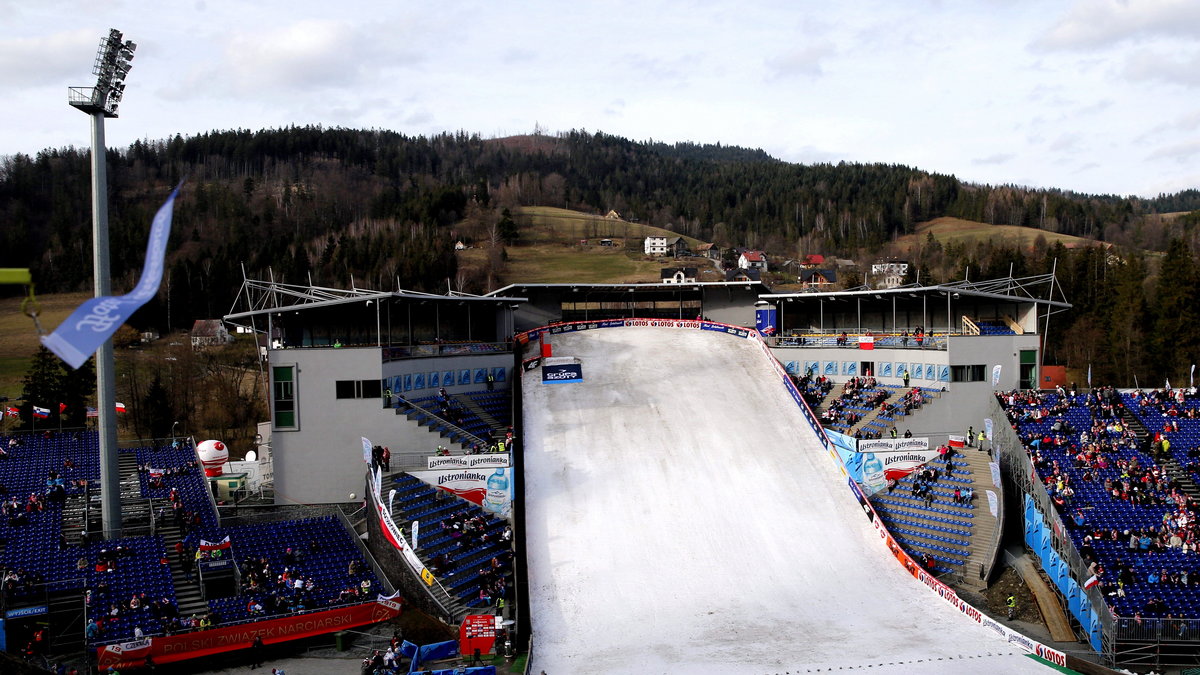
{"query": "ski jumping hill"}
pixel 683 517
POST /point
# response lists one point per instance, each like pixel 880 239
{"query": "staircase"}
pixel 435 424
pixel 187 593
pixel 498 429
pixel 1169 464
pixel 983 534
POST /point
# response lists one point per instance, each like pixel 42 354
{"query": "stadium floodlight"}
pixel 111 66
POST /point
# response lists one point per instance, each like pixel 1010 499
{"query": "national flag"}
pixel 958 441
pixel 41 413
pixel 154 473
pixel 62 408
pixel 12 412
pixel 215 546
pixel 92 412
pixel 120 407
pixel 866 342
pixel 1092 581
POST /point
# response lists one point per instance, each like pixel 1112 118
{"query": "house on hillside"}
pixel 812 261
pixel 613 215
pixel 209 333
pixel 459 246
pixel 710 251
pixel 888 273
pixel 607 242
pixel 752 274
pixel 678 275
pixel 666 246
pixel 817 278
pixel 753 260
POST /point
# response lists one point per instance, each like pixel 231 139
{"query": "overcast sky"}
pixel 1098 96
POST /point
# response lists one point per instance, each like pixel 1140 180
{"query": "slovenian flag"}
pixel 41 413
pixel 120 407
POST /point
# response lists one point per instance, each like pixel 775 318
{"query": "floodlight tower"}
pixel 111 66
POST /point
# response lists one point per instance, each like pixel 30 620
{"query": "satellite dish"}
pixel 252 456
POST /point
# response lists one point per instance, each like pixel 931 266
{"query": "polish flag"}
pixel 866 342
pixel 958 441
pixel 120 407
pixel 1092 581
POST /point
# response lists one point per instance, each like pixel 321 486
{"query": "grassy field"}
pixel 546 224
pixel 19 337
pixel 958 231
pixel 551 249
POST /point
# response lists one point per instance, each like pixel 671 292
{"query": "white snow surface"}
pixel 682 517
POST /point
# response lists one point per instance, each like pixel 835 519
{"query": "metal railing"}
pixel 1016 465
pixel 470 436
pixel 835 340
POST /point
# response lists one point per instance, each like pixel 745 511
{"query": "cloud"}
pixel 1068 142
pixel 304 56
pixel 1148 65
pixel 1180 152
pixel 1093 25
pixel 49 59
pixel 998 158
pixel 515 55
pixel 803 62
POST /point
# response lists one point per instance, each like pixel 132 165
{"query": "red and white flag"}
pixel 215 546
pixel 1092 581
pixel 866 342
pixel 120 407
pixel 958 441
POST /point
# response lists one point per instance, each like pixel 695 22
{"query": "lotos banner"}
pixel 94 322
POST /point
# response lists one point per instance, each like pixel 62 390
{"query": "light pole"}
pixel 110 68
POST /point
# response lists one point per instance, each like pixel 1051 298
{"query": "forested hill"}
pixel 386 208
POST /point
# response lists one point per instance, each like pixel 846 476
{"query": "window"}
pixel 968 373
pixel 357 389
pixel 283 396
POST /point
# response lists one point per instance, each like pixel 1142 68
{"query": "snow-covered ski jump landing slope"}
pixel 683 517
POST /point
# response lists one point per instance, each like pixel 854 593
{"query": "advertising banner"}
pixel 886 371
pixel 366 445
pixel 563 372
pixel 488 461
pixel 996 375
pixel 192 645
pixel 878 461
pixel 490 489
pixel 987 427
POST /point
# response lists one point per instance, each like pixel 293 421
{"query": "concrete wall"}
pixel 731 304
pixel 992 350
pixel 321 461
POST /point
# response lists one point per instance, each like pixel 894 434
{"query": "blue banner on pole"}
pixel 94 322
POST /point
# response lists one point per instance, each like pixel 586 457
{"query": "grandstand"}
pixel 105 594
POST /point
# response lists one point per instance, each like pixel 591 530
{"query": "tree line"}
pixel 384 208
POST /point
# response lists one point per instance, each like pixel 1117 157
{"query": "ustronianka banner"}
pixel 77 338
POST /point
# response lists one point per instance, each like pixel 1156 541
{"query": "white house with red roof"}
pixel 752 260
